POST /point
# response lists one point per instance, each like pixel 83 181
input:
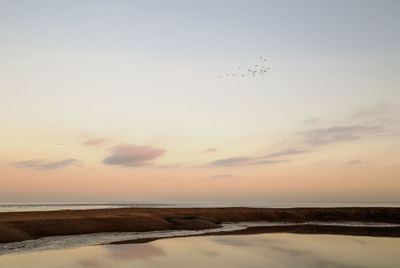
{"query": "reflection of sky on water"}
pixel 256 241
pixel 263 250
pixel 134 251
pixel 209 253
pixel 286 253
pixel 118 254
pixel 122 253
pixel 90 263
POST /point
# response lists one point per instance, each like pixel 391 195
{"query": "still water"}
pixel 260 250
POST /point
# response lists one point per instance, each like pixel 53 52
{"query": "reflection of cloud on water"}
pixel 283 251
pixel 248 241
pixel 231 241
pixel 289 251
pixel 209 253
pixel 277 245
pixel 90 263
pixel 134 251
pixel 328 263
pixel 121 253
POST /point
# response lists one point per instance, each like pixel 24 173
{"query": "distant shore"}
pixel 19 226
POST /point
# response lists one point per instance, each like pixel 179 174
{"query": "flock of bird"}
pixel 244 70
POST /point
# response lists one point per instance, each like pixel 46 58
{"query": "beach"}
pixel 19 226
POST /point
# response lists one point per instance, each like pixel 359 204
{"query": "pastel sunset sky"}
pixel 124 100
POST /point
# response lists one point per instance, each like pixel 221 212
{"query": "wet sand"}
pixel 19 226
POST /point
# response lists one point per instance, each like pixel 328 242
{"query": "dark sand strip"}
pixel 18 226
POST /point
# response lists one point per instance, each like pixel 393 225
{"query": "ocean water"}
pixel 15 207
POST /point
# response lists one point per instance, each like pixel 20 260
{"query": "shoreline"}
pixel 20 226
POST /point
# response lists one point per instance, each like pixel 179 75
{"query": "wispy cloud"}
pixel 233 161
pixel 355 162
pixel 245 161
pixel 46 164
pixel 308 141
pixel 270 162
pixel 175 165
pixel 379 110
pixel 94 142
pixel 365 123
pixel 222 176
pixel 362 123
pixel 128 155
pixel 311 121
pixel 335 134
pixel 382 114
pixel 210 150
pixel 286 152
pixel 263 160
pixel 312 138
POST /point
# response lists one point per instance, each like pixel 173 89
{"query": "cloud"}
pixel 128 155
pixel 47 165
pixel 366 122
pixel 308 140
pixel 312 138
pixel 233 161
pixel 382 114
pixel 370 122
pixel 288 151
pixel 311 121
pixel 176 165
pixel 381 109
pixel 211 150
pixel 355 162
pixel 222 176
pixel 335 134
pixel 245 161
pixel 270 162
pixel 94 142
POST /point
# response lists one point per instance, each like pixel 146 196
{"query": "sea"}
pixel 19 207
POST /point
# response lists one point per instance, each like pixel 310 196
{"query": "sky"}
pixel 124 101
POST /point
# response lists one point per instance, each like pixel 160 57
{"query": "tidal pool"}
pixel 259 250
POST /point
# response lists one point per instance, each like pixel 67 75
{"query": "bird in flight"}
pixel 245 70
